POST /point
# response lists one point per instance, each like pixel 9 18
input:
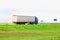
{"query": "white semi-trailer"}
pixel 19 19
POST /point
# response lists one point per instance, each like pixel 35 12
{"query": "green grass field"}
pixel 41 31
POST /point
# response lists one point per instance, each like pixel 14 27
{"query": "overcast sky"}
pixel 43 9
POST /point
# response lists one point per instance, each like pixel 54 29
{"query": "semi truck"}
pixel 20 19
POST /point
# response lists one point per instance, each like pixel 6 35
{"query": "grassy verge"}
pixel 31 28
pixel 47 31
